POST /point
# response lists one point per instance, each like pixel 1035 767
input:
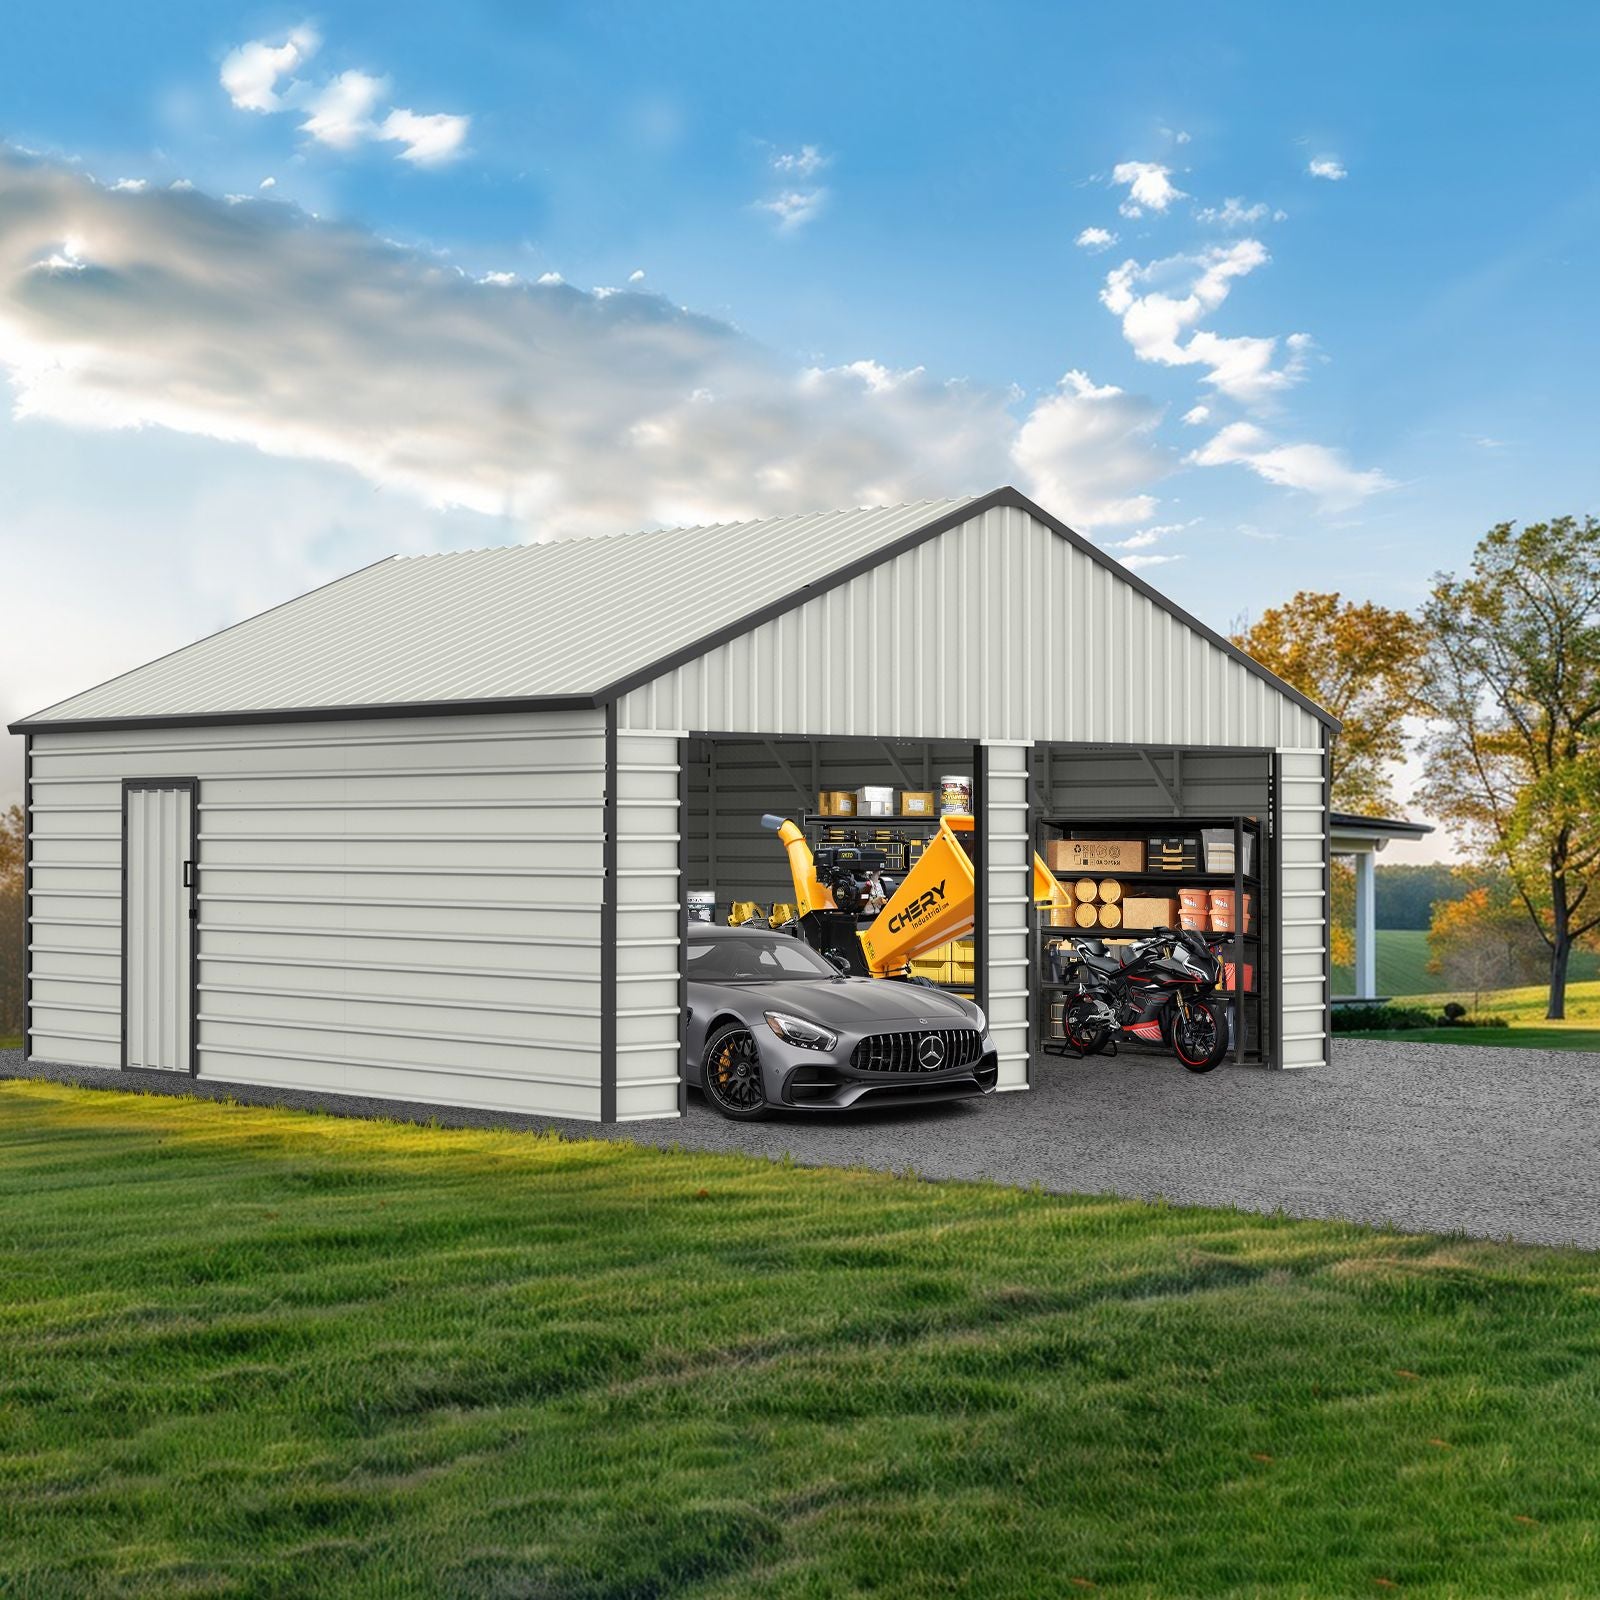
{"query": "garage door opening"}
pixel 869 805
pixel 1150 839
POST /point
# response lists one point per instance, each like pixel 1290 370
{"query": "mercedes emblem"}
pixel 931 1053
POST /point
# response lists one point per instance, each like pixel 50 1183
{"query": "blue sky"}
pixel 858 230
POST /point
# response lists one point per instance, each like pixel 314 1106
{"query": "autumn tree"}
pixel 1514 747
pixel 1362 662
pixel 1482 941
pixel 13 939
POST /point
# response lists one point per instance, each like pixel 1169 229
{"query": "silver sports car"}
pixel 773 1025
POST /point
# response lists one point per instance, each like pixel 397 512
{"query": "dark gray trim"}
pixel 1034 1004
pixel 27 896
pixel 1271 950
pixel 608 931
pixel 683 927
pixel 357 713
pixel 980 897
pixel 192 785
pixel 1327 899
pixel 1383 827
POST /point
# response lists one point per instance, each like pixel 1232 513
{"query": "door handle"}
pixel 188 874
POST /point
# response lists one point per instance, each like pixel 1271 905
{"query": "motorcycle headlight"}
pixel 983 1021
pixel 796 1030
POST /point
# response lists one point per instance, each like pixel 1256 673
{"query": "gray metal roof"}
pixel 572 622
pixel 567 618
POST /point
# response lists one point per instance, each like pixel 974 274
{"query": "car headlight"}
pixel 796 1030
pixel 983 1021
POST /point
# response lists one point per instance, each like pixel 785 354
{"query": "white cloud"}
pixel 802 162
pixel 558 410
pixel 1096 239
pixel 129 186
pixel 250 74
pixel 342 111
pixel 1160 301
pixel 1195 415
pixel 1329 167
pixel 268 183
pixel 1233 213
pixel 1133 563
pixel 429 141
pixel 1149 184
pixel 793 208
pixel 1090 455
pixel 636 276
pixel 1180 137
pixel 1154 534
pixel 1314 468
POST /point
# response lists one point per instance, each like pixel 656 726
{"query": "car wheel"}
pixel 731 1075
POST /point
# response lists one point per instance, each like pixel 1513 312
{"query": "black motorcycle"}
pixel 1162 990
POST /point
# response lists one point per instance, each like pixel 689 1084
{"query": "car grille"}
pixel 904 1052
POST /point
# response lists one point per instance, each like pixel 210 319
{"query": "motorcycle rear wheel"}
pixel 1200 1041
pixel 1082 1029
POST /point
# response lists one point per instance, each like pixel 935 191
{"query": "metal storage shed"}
pixel 422 833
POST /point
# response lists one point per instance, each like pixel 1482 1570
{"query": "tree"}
pixel 1514 690
pixel 13 938
pixel 1482 941
pixel 1361 662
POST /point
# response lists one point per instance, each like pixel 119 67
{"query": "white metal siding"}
pixel 406 908
pixel 160 980
pixel 997 629
pixel 1302 900
pixel 1006 869
pixel 649 924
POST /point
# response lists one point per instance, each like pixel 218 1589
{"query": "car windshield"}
pixel 756 958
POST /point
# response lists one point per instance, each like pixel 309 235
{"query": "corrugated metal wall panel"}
pixel 1006 867
pixel 407 908
pixel 998 629
pixel 649 921
pixel 1303 902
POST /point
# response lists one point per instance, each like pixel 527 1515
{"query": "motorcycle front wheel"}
pixel 1200 1040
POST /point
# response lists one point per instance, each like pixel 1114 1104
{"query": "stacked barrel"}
pixel 1097 903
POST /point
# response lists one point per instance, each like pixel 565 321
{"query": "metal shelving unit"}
pixel 1250 1016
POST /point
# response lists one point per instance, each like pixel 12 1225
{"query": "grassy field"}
pixel 263 1353
pixel 10 1041
pixel 1553 1036
pixel 1403 970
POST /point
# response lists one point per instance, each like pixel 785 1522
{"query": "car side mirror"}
pixel 837 962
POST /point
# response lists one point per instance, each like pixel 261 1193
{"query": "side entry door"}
pixel 159 919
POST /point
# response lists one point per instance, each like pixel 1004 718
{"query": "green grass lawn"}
pixel 256 1353
pixel 10 1041
pixel 1522 1036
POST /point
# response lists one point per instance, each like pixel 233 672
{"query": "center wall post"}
pixel 1006 889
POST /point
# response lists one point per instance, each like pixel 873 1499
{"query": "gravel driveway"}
pixel 1450 1138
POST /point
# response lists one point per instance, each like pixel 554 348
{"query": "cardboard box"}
pixel 876 800
pixel 1094 855
pixel 917 802
pixel 836 803
pixel 1149 911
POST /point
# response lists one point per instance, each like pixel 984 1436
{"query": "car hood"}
pixel 857 1005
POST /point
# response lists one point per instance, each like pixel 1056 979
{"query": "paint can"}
pixel 955 796
pixel 702 905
